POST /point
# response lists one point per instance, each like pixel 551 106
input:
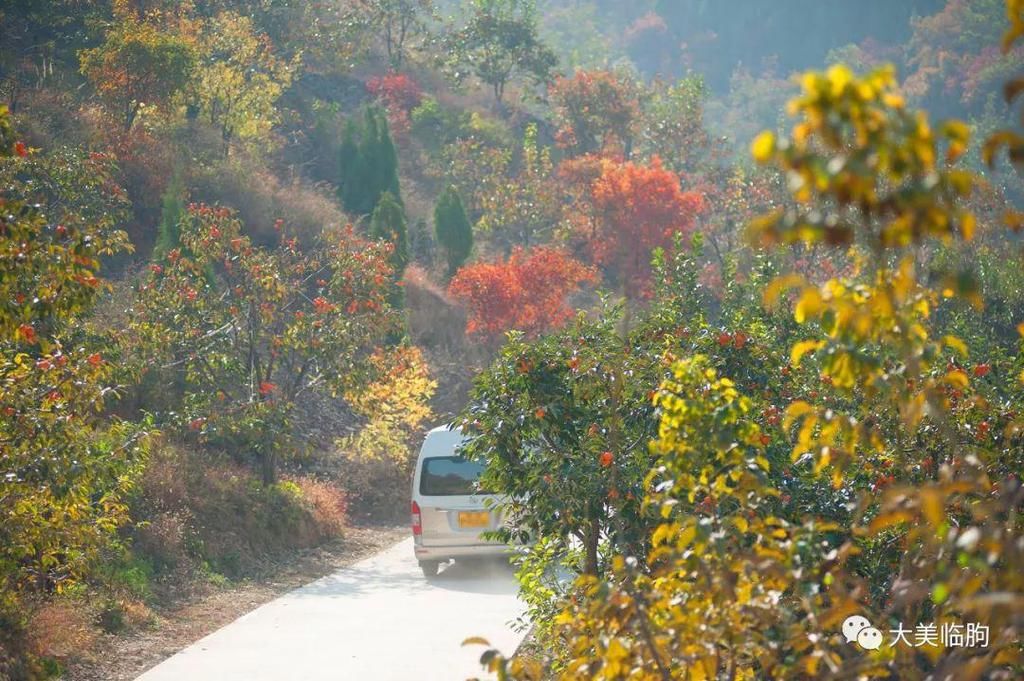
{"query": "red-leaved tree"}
pixel 636 209
pixel 527 292
pixel 399 95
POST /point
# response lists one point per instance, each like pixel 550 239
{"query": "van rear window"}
pixel 449 476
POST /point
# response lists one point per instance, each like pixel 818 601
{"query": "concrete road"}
pixel 378 620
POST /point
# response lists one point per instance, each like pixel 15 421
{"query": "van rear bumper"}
pixel 440 553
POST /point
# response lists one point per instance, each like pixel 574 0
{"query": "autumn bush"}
pixel 196 513
pixel 528 292
pixel 61 630
pixel 394 408
pixel 399 94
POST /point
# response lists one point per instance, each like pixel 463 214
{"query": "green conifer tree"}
pixel 388 223
pixel 349 174
pixel 453 229
pixel 387 180
pixel 369 166
pixel 173 209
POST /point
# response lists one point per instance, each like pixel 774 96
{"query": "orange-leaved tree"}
pixel 637 209
pixel 138 65
pixel 528 292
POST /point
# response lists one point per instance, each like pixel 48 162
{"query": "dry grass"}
pixel 434 320
pixel 328 505
pixel 196 509
pixel 261 198
pixel 61 629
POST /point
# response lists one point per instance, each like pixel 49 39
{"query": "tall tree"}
pixel 525 207
pixel 369 164
pixel 501 42
pixel 528 292
pixel 453 229
pixel 639 208
pixel 397 21
pixel 239 79
pixel 136 66
pixel 264 328
pixel 596 110
pixel 64 470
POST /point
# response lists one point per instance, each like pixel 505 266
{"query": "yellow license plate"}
pixel 474 518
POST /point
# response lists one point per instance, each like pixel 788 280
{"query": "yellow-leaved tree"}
pixel 238 79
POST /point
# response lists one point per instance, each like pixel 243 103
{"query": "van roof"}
pixel 445 428
pixel 441 441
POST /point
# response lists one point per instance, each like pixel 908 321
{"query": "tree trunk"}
pixel 268 466
pixel 593 536
pixel 130 114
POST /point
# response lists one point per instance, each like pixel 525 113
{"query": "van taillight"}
pixel 417 520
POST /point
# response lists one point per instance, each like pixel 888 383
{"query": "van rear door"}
pixel 453 510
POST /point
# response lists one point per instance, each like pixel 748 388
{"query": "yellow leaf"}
pixel 662 533
pixel 763 147
pixel 824 460
pixel 810 304
pixel 968 226
pixel 956 130
pixel 616 651
pixel 839 77
pixel 931 505
pixel 1014 220
pixel 887 520
pixel 956 344
pixel 957 378
pixel 780 285
pixel 794 412
pixel 802 348
pixel 686 537
pixel 743 592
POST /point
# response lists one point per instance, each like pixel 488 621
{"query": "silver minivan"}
pixel 449 512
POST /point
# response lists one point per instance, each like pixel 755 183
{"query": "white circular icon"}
pixel 853 626
pixel 869 638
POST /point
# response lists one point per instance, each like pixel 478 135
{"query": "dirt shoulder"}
pixel 122 657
